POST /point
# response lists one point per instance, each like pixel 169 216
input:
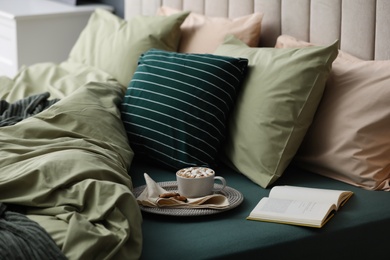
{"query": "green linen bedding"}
pixel 66 167
pixel 58 79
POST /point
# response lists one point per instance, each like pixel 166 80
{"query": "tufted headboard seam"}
pixel 362 26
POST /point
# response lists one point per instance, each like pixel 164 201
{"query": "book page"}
pixel 291 211
pixel 310 194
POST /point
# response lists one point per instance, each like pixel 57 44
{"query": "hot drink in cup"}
pixel 195 182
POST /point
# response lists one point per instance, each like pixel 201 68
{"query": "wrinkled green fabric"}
pixel 67 166
pixel 58 79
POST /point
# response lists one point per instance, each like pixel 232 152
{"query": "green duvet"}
pixel 67 167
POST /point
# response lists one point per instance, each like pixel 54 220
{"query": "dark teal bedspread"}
pixel 360 230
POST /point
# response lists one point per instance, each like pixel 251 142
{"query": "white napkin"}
pixel 150 198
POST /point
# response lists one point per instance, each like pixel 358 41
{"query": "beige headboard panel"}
pixel 362 26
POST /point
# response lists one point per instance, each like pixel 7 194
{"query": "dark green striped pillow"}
pixel 176 105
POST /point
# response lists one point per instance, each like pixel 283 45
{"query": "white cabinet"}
pixel 33 31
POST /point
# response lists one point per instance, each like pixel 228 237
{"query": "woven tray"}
pixel 234 197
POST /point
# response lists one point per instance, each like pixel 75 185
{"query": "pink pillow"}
pixel 202 34
pixel 349 139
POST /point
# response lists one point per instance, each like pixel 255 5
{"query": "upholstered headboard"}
pixel 362 26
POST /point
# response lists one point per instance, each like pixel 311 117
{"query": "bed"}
pixel 72 162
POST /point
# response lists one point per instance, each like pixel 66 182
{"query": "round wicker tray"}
pixel 234 197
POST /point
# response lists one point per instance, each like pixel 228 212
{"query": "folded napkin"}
pixel 150 198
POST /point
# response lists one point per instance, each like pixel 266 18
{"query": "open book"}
pixel 299 206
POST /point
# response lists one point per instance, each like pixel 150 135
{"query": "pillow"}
pixel 202 34
pixel 349 139
pixel 287 41
pixel 176 106
pixel 275 106
pixel 114 45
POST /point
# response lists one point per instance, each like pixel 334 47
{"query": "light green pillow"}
pixel 275 106
pixel 114 45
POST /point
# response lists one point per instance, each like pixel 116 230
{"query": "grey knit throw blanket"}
pixel 10 114
pixel 22 238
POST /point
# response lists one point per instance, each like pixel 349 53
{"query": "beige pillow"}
pixel 202 34
pixel 349 139
pixel 287 41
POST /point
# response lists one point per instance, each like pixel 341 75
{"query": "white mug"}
pixel 193 182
